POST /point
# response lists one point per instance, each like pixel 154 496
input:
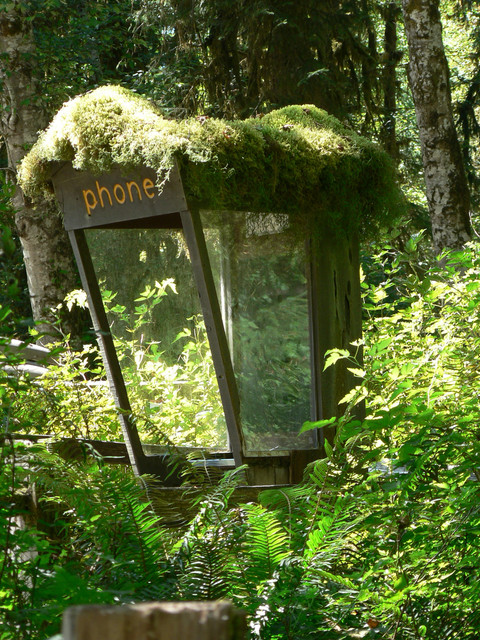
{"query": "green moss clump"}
pixel 297 160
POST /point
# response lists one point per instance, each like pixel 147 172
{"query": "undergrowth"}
pixel 379 540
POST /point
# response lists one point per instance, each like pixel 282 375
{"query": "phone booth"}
pixel 163 266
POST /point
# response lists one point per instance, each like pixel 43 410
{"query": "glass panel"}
pixel 259 269
pixel 154 313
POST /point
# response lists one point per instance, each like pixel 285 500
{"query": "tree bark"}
pixel 446 185
pixel 47 253
pixel 392 56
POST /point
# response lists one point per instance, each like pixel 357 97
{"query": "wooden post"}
pixel 155 621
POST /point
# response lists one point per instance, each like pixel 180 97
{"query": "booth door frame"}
pixel 192 230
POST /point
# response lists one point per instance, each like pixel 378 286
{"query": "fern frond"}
pixel 205 577
pixel 284 498
pixel 337 579
pixel 212 507
pixel 266 542
pixel 319 473
pixel 330 533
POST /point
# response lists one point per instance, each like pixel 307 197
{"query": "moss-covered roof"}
pixel 296 160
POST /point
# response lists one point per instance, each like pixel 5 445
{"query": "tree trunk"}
pixel 446 185
pixel 392 56
pixel 47 253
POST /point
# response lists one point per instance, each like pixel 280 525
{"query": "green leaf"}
pixel 355 396
pixel 335 355
pixel 379 346
pixel 318 424
pixel 328 449
pixel 401 583
pixel 360 373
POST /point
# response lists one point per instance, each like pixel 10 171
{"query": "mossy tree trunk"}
pixel 446 185
pixel 47 253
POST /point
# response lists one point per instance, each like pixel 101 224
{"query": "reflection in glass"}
pixel 154 313
pixel 259 269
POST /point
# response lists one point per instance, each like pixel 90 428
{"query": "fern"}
pixel 201 559
pixel 331 530
pixel 205 577
pixel 105 524
pixel 266 543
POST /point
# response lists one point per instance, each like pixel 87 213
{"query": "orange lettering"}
pixel 90 205
pixel 148 186
pixel 118 188
pixel 129 187
pixel 100 191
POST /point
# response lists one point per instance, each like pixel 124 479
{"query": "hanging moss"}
pixel 296 160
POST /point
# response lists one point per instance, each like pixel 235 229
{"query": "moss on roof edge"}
pixel 297 160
